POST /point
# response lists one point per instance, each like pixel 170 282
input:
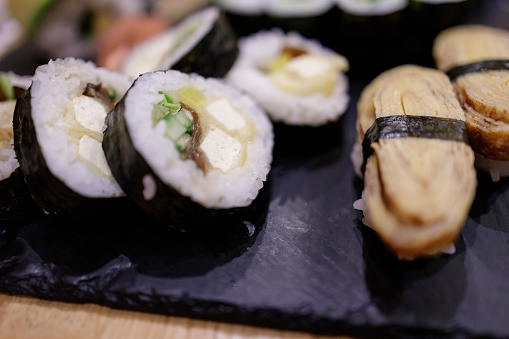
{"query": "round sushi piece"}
pixel 11 31
pixel 308 17
pixel 16 204
pixel 427 18
pixel 297 81
pixel 245 16
pixel 58 130
pixel 192 152
pixel 371 8
pixel 68 28
pixel 370 35
pixel 203 43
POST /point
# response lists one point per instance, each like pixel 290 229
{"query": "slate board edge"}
pixel 182 306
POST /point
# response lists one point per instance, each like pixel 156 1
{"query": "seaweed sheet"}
pixel 304 262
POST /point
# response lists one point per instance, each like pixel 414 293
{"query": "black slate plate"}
pixel 304 261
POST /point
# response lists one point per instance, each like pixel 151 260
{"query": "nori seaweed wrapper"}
pixel 423 21
pixel 16 202
pixel 312 26
pixel 371 43
pixel 478 67
pixel 49 192
pixel 214 54
pixel 168 208
pixel 245 24
pixel 411 126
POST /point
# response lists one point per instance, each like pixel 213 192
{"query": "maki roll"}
pixel 476 58
pixel 371 7
pixel 419 176
pixel 308 17
pixel 370 35
pixel 58 130
pixel 297 81
pixel 203 43
pixel 426 18
pixel 190 151
pixel 15 200
pixel 11 32
pixel 245 16
pixel 65 28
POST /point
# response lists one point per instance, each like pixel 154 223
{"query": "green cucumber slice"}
pixel 183 118
pixel 174 129
pixel 6 87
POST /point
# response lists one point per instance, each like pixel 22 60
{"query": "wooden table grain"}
pixel 25 317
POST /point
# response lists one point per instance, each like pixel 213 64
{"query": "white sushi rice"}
pixel 437 2
pixel 244 7
pixel 249 74
pixel 356 156
pixel 54 86
pixel 370 7
pixel 298 8
pixel 160 52
pixel 496 169
pixel 277 8
pixel 8 161
pixel 59 33
pixel 215 189
pixel 21 81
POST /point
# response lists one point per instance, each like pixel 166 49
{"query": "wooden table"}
pixel 24 317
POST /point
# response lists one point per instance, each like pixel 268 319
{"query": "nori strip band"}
pixel 215 54
pixel 168 207
pixel 49 192
pixel 412 126
pixel 477 67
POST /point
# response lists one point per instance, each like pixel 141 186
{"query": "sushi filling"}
pixel 212 133
pixel 8 96
pixel 296 71
pixel 86 120
pixel 9 92
pixel 182 125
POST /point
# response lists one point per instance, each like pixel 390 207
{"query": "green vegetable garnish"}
pixel 112 93
pixel 179 121
pixel 6 87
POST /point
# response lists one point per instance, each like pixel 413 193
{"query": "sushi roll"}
pixel 308 17
pixel 370 34
pixel 476 58
pixel 426 18
pixel 245 16
pixel 68 28
pixel 296 80
pixel 371 8
pixel 191 152
pixel 418 169
pixel 11 31
pixel 16 204
pixel 203 42
pixel 58 130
